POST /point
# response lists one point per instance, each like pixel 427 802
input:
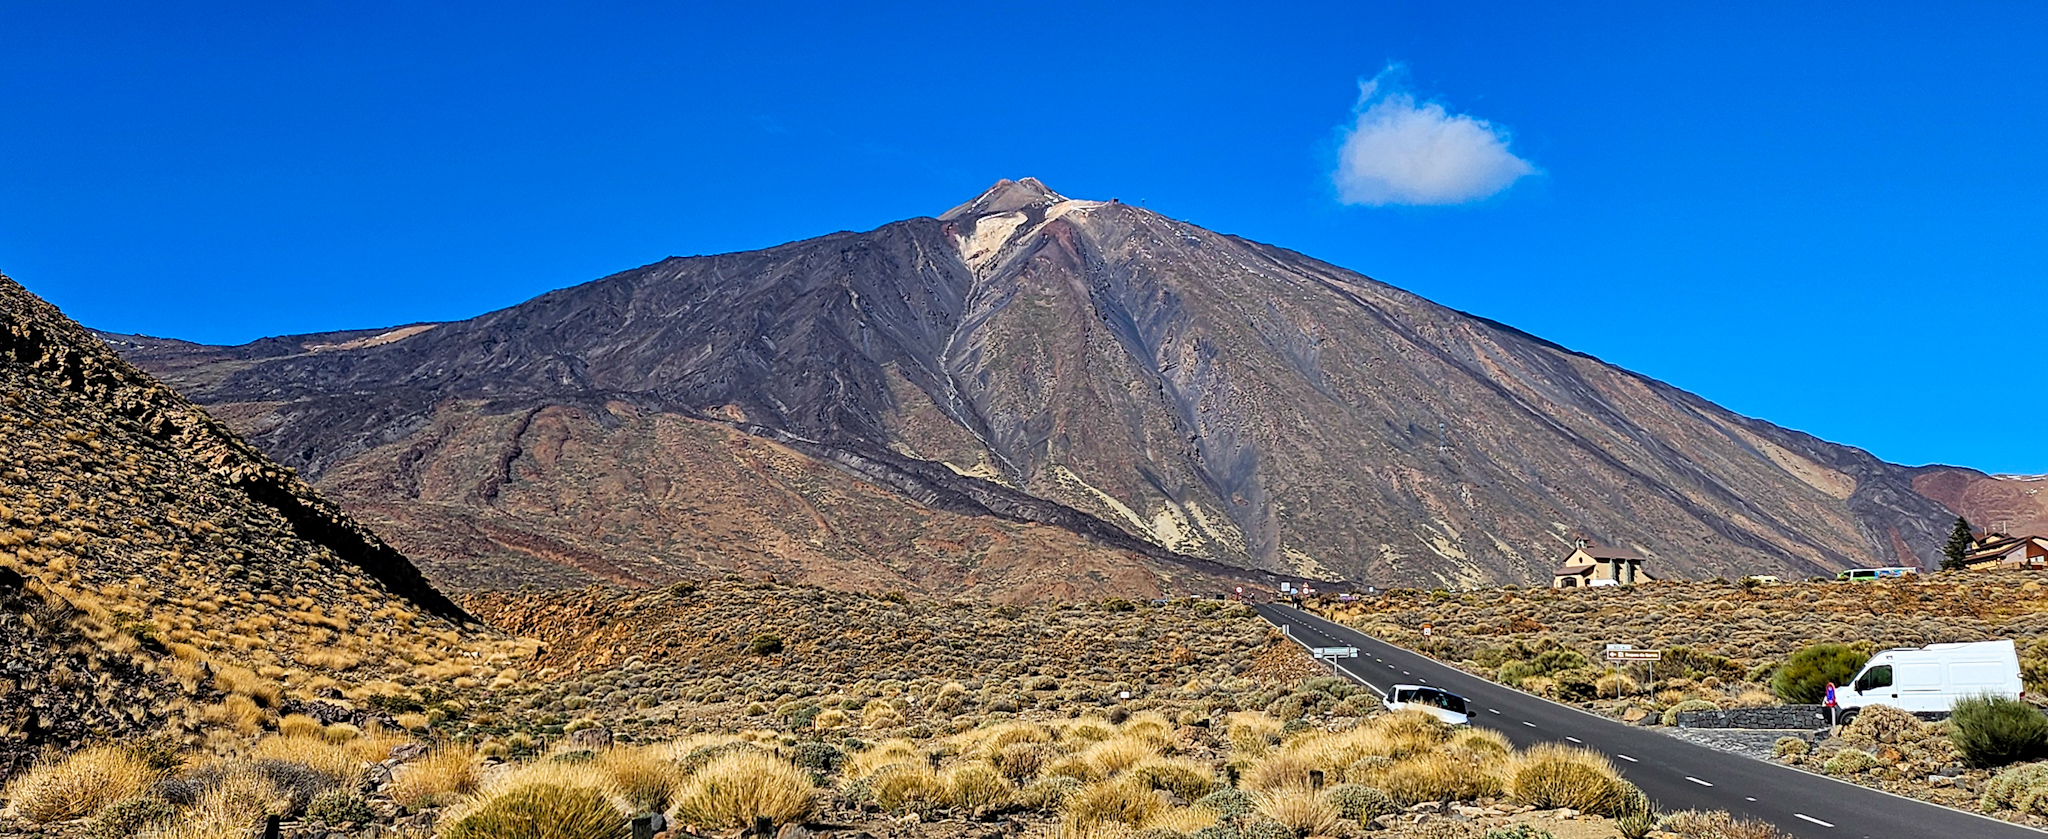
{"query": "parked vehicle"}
pixel 1436 702
pixel 1864 575
pixel 1933 677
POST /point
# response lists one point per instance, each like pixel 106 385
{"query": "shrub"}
pixel 1849 762
pixel 733 790
pixel 542 811
pixel 1020 762
pixel 1553 661
pixel 130 817
pixel 1279 770
pixel 229 803
pixel 1523 830
pixel 1177 822
pixel 819 757
pixel 1229 803
pixel 1359 803
pixel 340 762
pixel 1118 753
pixel 1550 776
pixel 1995 731
pixel 1885 724
pixel 444 775
pixel 1253 734
pixel 293 783
pixel 1615 684
pixel 1671 714
pixel 639 776
pixel 1121 801
pixel 975 788
pixel 1047 794
pixel 1788 746
pixel 765 644
pixel 1804 677
pixel 1435 776
pixel 78 785
pixel 1185 778
pixel 700 756
pixel 1690 663
pixel 1305 812
pixel 882 756
pixel 1694 824
pixel 337 807
pixel 2022 788
pixel 1636 824
pixel 1513 672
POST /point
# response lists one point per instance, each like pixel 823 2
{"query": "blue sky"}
pixel 1834 221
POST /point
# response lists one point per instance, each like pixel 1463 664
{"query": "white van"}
pixel 1933 677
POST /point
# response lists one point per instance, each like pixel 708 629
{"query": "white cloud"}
pixel 1399 152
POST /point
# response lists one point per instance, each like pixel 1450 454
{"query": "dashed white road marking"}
pixel 1698 781
pixel 1493 710
pixel 1529 724
pixel 1576 740
pixel 1626 757
pixel 1812 819
pixel 1748 798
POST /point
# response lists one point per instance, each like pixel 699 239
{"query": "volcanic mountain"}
pixel 1030 395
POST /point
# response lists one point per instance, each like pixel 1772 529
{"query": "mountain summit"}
pixel 1007 196
pixel 1032 395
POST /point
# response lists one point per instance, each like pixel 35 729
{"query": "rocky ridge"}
pixel 158 575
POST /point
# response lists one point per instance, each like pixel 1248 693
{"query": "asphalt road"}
pixel 1676 774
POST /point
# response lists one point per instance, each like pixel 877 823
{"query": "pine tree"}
pixel 1959 542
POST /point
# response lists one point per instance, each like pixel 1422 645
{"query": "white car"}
pixel 1436 702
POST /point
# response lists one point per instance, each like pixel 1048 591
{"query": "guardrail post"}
pixel 273 825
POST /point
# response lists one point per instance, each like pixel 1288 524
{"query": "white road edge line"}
pixel 1812 819
pixel 1698 781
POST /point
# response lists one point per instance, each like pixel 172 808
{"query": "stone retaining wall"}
pixel 1775 716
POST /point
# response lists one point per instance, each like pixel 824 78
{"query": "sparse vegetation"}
pixel 1994 731
pixel 1805 676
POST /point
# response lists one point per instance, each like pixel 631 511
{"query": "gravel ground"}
pixel 1748 742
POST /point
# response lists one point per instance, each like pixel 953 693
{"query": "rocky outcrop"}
pixel 160 576
pixel 40 342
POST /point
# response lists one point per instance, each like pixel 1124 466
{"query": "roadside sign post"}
pixel 1331 654
pixel 1625 652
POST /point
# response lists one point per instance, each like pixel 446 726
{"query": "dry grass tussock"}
pixel 78 785
pixel 1553 775
pixel 733 790
pixel 442 777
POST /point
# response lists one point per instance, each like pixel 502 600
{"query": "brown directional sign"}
pixel 1634 655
